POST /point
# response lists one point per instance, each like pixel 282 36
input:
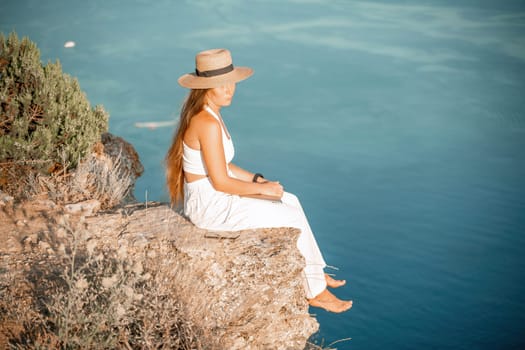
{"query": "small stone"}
pixel 62 248
pixel 33 238
pixel 87 208
pixel 90 246
pixel 45 203
pixel 63 220
pixel 5 198
pixel 82 284
pixel 109 282
pixel 130 293
pixel 121 312
pixel 13 245
pixel 43 245
pixel 61 232
pixel 122 252
pixel 137 268
pixel 140 241
pixel 239 343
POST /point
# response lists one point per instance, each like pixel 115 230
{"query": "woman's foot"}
pixel 330 302
pixel 333 283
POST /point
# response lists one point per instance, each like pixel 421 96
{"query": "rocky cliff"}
pixel 235 290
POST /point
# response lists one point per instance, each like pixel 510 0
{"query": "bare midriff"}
pixel 189 177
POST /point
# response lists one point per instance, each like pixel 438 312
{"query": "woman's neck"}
pixel 215 108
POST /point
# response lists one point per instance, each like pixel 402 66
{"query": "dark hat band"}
pixel 214 72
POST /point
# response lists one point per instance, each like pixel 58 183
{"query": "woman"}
pixel 217 194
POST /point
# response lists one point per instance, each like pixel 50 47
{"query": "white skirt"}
pixel 213 210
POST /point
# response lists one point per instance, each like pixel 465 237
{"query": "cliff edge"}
pixel 157 277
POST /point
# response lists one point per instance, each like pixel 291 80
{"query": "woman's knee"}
pixel 282 215
pixel 291 199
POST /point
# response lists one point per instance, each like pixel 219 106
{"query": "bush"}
pixel 46 121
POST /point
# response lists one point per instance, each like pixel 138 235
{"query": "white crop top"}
pixel 192 161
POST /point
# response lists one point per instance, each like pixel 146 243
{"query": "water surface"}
pixel 399 124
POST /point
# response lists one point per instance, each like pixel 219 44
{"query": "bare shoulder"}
pixel 203 119
pixel 202 127
pixel 204 123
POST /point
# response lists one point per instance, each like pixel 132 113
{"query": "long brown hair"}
pixel 173 161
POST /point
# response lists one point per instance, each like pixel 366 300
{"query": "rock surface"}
pixel 243 290
pixel 252 283
pixel 116 147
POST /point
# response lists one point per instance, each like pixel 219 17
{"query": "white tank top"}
pixel 192 161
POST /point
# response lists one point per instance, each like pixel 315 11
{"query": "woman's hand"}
pixel 272 188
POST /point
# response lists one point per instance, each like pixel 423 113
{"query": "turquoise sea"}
pixel 399 124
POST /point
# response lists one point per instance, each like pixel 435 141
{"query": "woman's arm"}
pixel 243 174
pixel 210 139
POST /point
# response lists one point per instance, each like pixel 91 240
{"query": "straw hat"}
pixel 214 68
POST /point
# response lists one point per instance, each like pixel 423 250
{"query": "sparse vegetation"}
pixel 81 293
pixel 96 177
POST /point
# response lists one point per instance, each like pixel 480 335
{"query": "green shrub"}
pixel 46 121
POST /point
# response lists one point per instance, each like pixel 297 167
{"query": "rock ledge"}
pixel 241 290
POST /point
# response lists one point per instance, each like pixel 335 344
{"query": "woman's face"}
pixel 221 96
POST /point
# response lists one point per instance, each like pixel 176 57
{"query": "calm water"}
pixel 400 125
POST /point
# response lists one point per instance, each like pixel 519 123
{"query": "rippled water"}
pixel 399 124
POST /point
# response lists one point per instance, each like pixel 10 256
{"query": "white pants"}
pixel 213 210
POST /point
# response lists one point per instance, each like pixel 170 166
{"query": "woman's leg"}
pixel 289 213
pixel 214 210
pixel 256 213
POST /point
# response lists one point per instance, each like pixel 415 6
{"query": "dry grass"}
pixel 314 346
pixel 84 294
pixel 98 176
